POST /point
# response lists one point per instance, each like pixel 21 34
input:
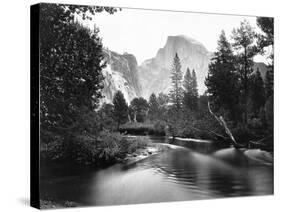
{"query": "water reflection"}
pixel 179 174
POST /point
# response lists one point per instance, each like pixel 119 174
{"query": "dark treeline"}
pixel 237 91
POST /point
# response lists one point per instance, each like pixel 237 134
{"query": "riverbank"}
pixel 149 150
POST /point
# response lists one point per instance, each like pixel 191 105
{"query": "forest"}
pixel 236 109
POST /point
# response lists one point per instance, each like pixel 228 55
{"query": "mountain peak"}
pixel 184 37
pixel 155 73
pixel 185 41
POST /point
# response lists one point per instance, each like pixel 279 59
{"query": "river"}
pixel 198 171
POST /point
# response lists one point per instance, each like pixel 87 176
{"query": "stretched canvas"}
pixel 146 106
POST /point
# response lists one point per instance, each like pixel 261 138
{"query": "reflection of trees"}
pixel 200 173
pixel 202 147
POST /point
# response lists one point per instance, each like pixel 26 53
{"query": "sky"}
pixel 143 32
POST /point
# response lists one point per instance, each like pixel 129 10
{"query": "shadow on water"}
pixel 200 171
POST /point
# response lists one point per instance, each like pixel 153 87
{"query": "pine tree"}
pixel 120 108
pixel 269 83
pixel 265 40
pixel 187 81
pixel 222 80
pixel 163 102
pixel 176 93
pixel 194 91
pixel 190 96
pixel 194 84
pixel 267 26
pixel 153 111
pixel 244 43
pixel 257 92
pixel 187 85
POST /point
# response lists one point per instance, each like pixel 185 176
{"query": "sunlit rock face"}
pixel 262 68
pixel 155 73
pixel 120 74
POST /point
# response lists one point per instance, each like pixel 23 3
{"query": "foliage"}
pixel 160 127
pixel 139 107
pixel 269 83
pixel 163 101
pixel 244 44
pixel 242 134
pixel 132 145
pixel 105 148
pixel 222 80
pixel 176 92
pixel 267 40
pixel 154 110
pixel 70 64
pixel 234 88
pixel 267 26
pixel 70 75
pixel 120 111
pixel 144 128
pixel 190 95
pixel 269 112
pixel 106 117
pixel 257 93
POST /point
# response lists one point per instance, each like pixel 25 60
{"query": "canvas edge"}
pixel 34 107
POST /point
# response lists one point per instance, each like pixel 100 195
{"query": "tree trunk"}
pixel 223 124
pixel 118 125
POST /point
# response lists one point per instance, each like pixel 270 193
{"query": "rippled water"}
pixel 178 174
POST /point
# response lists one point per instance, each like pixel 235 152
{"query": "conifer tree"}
pixel 269 83
pixel 187 96
pixel 176 93
pixel 153 111
pixel 194 84
pixel 163 102
pixel 257 93
pixel 244 43
pixel 190 96
pixel 187 81
pixel 222 80
pixel 266 40
pixel 120 108
pixel 194 91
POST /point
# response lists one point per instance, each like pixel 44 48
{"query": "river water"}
pixel 197 171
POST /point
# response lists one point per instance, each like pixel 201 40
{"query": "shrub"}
pixel 135 144
pixel 242 134
pixel 85 149
pixel 160 127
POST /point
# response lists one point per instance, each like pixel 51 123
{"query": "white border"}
pixel 14 111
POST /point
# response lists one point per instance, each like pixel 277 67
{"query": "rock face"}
pixel 120 74
pixel 155 73
pixel 262 68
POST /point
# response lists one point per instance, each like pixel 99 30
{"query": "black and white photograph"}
pixel 150 106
